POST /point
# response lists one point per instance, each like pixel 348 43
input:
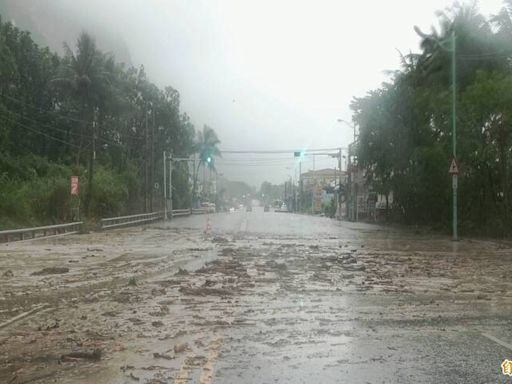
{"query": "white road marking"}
pixel 498 341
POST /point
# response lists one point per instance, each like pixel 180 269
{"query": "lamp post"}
pixel 349 197
pixel 350 125
pixel 454 172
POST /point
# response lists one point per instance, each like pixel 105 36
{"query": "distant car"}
pixel 284 208
pixel 249 208
pixel 266 208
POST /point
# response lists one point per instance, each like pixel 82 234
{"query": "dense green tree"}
pixel 405 142
pixel 85 114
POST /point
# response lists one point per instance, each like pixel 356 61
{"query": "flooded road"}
pixel 261 297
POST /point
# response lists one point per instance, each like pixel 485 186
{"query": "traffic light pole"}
pixel 168 179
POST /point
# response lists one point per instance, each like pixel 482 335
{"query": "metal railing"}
pixel 181 212
pixel 200 211
pixel 144 218
pixel 121 221
pixel 39 232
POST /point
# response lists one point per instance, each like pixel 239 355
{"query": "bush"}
pixel 110 194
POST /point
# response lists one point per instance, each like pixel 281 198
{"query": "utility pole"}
pixel 300 184
pixel 146 150
pixel 454 134
pixel 168 177
pixel 338 195
pixel 194 183
pixel 348 199
pixel 170 183
pixel 152 162
pixel 165 187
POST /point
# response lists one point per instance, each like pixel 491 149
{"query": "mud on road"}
pixel 169 304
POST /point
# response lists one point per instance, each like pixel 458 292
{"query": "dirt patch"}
pixel 94 355
pixel 220 239
pixel 8 273
pixel 205 291
pixel 50 271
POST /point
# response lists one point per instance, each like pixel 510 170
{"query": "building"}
pixel 318 187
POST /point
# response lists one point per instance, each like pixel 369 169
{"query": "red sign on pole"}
pixel 74 185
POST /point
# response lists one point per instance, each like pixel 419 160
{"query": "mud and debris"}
pixel 50 271
pixel 94 355
pixel 290 299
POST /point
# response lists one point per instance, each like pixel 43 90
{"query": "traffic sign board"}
pixel 74 185
pixel 454 169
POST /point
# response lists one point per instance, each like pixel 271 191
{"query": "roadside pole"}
pixel 454 136
pixel 348 198
pixel 170 168
pixel 165 187
pixel 170 183
pixel 338 195
pixel 300 183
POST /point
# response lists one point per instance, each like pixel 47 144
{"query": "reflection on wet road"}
pixel 264 298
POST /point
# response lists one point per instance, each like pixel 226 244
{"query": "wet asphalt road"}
pixel 259 298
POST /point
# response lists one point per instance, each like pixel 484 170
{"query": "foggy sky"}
pixel 265 74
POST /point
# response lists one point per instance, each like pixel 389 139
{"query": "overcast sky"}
pixel 268 74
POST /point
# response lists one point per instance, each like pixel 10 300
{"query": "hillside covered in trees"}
pixel 405 140
pixel 84 114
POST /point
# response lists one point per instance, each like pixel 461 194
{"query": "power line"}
pixel 62 117
pixel 107 141
pixel 306 150
pixel 251 165
pixel 39 132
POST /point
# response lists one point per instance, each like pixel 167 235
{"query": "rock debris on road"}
pixel 266 298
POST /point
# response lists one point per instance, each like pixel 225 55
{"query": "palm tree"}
pixel 83 74
pixel 206 146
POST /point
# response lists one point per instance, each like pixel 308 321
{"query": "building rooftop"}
pixel 322 173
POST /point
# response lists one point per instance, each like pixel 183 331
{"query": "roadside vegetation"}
pixel 405 139
pixel 85 114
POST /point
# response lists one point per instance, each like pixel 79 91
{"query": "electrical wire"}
pixel 280 151
pixel 99 138
pixel 39 132
pixel 62 117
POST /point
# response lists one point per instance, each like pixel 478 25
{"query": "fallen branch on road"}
pixel 94 355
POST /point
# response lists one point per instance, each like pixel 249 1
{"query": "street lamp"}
pixel 453 168
pixel 350 125
pixel 350 201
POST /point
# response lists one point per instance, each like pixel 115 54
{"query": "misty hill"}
pixel 52 23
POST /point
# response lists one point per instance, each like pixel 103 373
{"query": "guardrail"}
pixel 143 218
pixel 200 211
pixel 181 212
pixel 40 232
pixel 121 221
